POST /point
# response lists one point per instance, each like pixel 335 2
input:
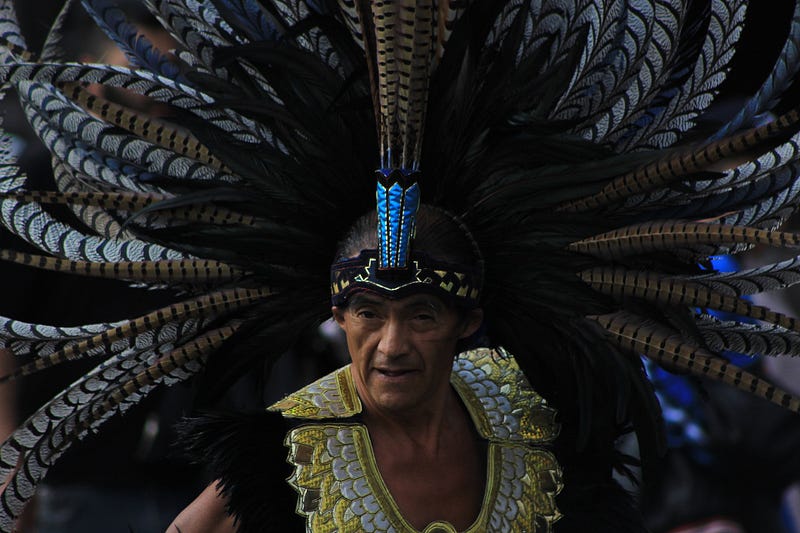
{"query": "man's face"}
pixel 402 350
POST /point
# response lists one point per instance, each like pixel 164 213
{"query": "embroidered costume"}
pixel 340 488
pixel 570 140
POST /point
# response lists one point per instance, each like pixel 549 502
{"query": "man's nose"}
pixel 394 338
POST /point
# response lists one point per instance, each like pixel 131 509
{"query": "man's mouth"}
pixel 394 373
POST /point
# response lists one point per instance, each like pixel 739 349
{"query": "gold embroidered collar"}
pixel 337 478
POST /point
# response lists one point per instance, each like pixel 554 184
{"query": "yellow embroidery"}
pixel 336 474
pixel 500 399
pixel 333 396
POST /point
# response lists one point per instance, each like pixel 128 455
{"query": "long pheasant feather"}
pixel 665 235
pixel 211 304
pixel 172 272
pixel 672 351
pixel 684 163
pixel 620 282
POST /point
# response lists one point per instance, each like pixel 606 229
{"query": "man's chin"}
pixel 398 403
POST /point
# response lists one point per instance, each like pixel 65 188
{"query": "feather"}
pixel 654 288
pixel 697 93
pixel 12 36
pixel 147 84
pixel 136 46
pixel 677 235
pixel 568 135
pixel 83 407
pixel 101 222
pixel 604 33
pixel 648 43
pixel 684 163
pixel 773 277
pixel 52 49
pixel 751 339
pixel 250 20
pixel 172 272
pixel 71 120
pixel 214 303
pixel 154 130
pixel 786 67
pixel 671 351
pixel 42 230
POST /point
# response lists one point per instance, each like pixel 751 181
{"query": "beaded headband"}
pixel 363 273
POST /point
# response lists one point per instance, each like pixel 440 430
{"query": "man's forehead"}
pixel 422 298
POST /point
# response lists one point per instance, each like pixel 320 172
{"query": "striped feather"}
pixel 667 235
pixel 147 84
pixel 96 170
pixel 749 182
pixel 154 130
pixel 683 164
pixel 101 222
pixel 213 303
pixel 171 272
pixel 71 120
pixel 109 390
pixel 674 352
pixel 672 291
pixel 131 202
pixel 41 341
pixel 771 211
pixel 31 223
pixel 405 48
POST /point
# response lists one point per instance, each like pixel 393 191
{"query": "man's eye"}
pixel 424 316
pixel 366 314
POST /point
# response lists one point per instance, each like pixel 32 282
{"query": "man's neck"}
pixel 418 431
pixel 434 458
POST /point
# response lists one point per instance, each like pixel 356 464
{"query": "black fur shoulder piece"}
pixel 246 454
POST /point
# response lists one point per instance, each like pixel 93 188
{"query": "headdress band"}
pixel 455 282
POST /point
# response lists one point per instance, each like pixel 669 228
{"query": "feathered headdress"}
pixel 566 135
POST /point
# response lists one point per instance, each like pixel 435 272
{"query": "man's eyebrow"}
pixel 425 301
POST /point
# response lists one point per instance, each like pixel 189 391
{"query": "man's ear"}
pixel 338 315
pixel 472 321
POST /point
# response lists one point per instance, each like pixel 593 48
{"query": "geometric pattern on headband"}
pixel 424 274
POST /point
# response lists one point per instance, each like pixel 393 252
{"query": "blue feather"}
pixel 137 48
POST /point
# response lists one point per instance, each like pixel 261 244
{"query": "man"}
pixel 563 138
pixel 416 426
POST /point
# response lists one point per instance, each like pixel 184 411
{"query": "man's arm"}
pixel 206 514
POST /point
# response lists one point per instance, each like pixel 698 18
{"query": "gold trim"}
pixel 341 488
pixel 338 481
pixel 332 396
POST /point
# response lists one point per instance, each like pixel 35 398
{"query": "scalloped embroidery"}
pixel 337 479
